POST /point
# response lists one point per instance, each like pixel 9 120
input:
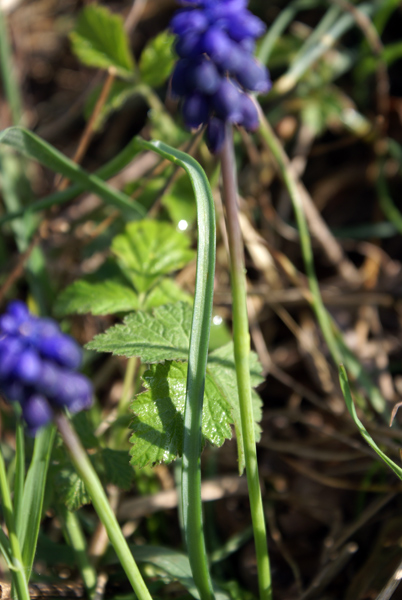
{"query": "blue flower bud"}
pixel 203 76
pixel 188 46
pixel 253 75
pixel 244 25
pixel 189 21
pixel 62 349
pixel 28 366
pixel 179 82
pixel 37 367
pixel 226 102
pixel 215 135
pixel 36 412
pixel 195 110
pixel 250 119
pixel 18 310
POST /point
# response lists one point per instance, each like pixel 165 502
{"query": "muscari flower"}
pixel 216 70
pixel 38 367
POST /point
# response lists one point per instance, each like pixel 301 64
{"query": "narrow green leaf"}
pixel 158 415
pixel 343 378
pixel 99 40
pixel 164 335
pixel 34 491
pixel 157 59
pixel 30 145
pixel 149 249
pixel 98 298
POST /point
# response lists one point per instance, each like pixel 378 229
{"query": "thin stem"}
pixel 18 573
pixel 19 479
pixel 77 541
pixel 242 353
pixel 87 473
pixel 11 88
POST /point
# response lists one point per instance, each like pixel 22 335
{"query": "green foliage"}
pixel 164 335
pixel 98 298
pixel 147 250
pixel 117 468
pixel 99 40
pixel 158 415
pixel 157 60
pixel 158 422
pixel 71 489
pixel 179 201
pixel 126 286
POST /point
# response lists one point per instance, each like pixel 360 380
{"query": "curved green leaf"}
pixel 31 146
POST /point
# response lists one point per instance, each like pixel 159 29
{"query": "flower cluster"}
pixel 38 365
pixel 215 43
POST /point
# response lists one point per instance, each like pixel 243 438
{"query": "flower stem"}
pixel 242 353
pixel 18 572
pixel 95 489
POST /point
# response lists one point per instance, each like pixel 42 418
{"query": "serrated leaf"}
pixel 158 415
pixel 149 249
pixel 99 298
pixel 164 335
pixel 85 430
pixel 166 292
pixel 71 489
pixel 157 59
pixel 117 468
pixel 99 40
pixel 222 367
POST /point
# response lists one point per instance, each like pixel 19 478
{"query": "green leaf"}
pixel 99 298
pixel 149 249
pixel 30 145
pixel 164 335
pixel 166 292
pixel 71 489
pixel 175 564
pixel 222 367
pixel 158 415
pixel 99 40
pixel 33 498
pixel 117 468
pixel 157 59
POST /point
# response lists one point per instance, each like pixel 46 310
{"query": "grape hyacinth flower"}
pixel 38 367
pixel 216 70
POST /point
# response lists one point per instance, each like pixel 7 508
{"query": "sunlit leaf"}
pixel 157 59
pixel 99 40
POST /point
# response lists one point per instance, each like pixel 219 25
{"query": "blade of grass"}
pixel 198 352
pixel 31 146
pixel 11 89
pixel 19 479
pixel 34 492
pixel 17 569
pixel 343 379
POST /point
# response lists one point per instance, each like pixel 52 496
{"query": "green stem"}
pixel 100 502
pixel 11 89
pixel 202 313
pixel 242 358
pixel 332 336
pixel 77 541
pixel 19 479
pixel 18 572
pixel 305 242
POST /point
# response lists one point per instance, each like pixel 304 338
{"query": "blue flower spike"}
pixel 38 367
pixel 217 70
